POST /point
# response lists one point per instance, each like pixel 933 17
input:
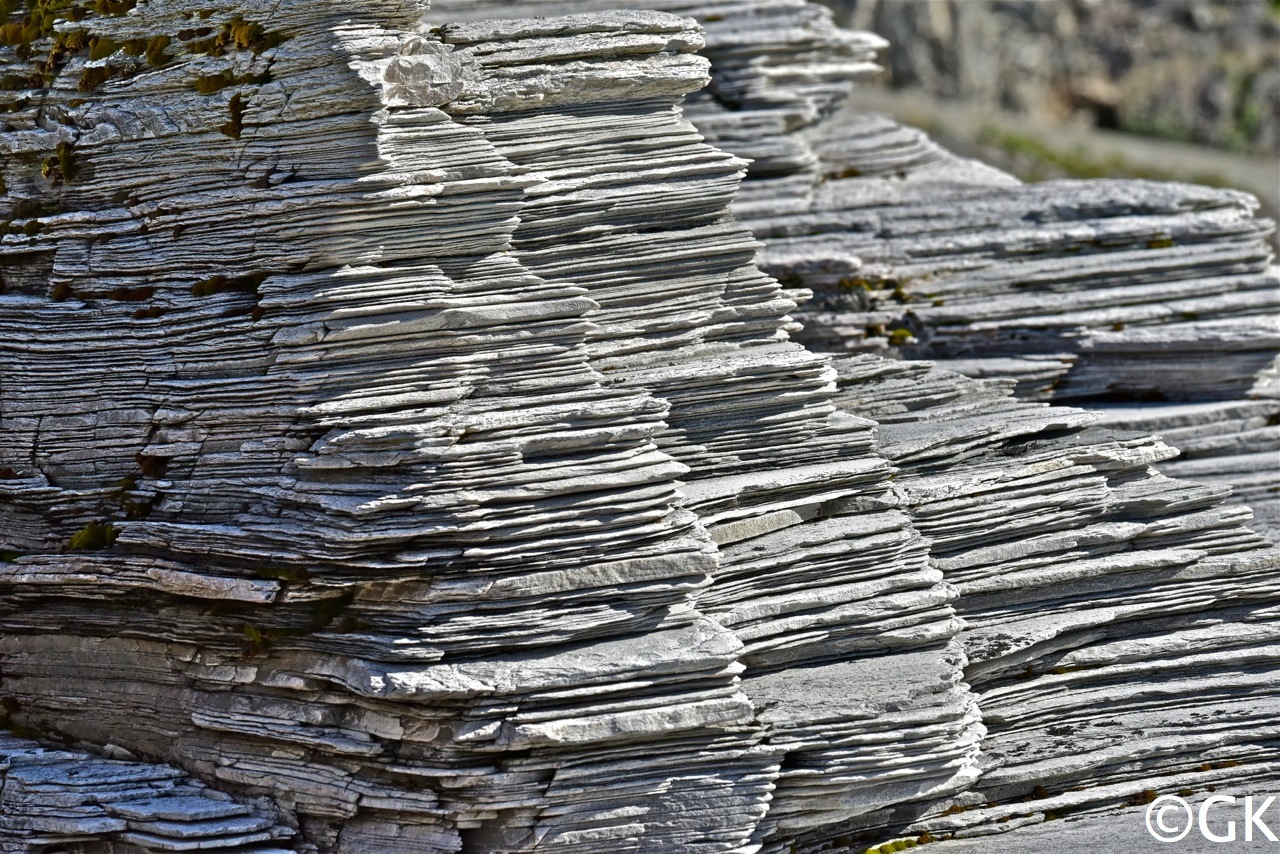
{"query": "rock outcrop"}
pixel 820 574
pixel 332 503
pixel 1101 293
pixel 58 800
pixel 401 450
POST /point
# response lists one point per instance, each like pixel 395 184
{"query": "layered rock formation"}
pixel 333 501
pixel 437 468
pixel 1109 610
pixel 71 801
pixel 1095 292
pixel 820 572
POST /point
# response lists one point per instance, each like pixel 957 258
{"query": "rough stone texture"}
pixel 438 472
pixel 1094 604
pixel 1093 292
pixel 57 799
pixel 379 543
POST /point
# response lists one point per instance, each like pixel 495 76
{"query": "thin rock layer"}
pixel 438 468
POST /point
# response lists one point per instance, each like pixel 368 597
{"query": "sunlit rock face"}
pixel 401 449
pixel 310 489
pixel 1065 543
pixel 1155 303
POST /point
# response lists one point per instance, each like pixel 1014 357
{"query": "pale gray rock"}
pixel 61 798
pixel 447 477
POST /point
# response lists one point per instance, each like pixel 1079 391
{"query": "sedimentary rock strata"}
pixel 1097 292
pixel 67 800
pixel 819 568
pixel 401 449
pixel 333 501
pixel 1101 590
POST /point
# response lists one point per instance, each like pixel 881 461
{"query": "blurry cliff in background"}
pixel 1183 90
pixel 1203 71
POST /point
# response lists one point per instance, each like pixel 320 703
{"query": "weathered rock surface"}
pixel 1086 291
pixel 61 799
pixel 337 508
pixel 437 472
pixel 1109 611
pixel 820 572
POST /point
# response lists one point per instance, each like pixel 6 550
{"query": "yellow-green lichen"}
pixel 93 537
pixel 236 34
pixel 62 167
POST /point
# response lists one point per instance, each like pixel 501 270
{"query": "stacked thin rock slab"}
pixel 1232 442
pixel 821 575
pixel 72 801
pixel 308 486
pixel 1111 612
pixel 1106 524
pixel 1145 527
pixel 447 475
pixel 896 235
pixel 1087 291
pixel 372 538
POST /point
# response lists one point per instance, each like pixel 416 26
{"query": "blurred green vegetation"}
pixel 1038 161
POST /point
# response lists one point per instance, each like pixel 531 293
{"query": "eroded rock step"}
pixel 396 533
pixel 820 573
pixel 64 798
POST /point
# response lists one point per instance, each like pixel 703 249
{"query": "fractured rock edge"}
pixel 718 349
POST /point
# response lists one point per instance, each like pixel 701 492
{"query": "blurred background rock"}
pixel 1165 89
